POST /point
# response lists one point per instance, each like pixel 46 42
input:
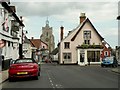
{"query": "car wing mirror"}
pixel 12 62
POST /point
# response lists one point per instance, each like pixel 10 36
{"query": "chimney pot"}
pixel 32 38
pixel 82 17
pixel 82 14
pixel 61 34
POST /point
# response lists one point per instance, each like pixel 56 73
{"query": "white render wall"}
pixel 94 37
pixel 12 51
pixel 1 19
pixel 9 53
pixel 78 41
pixel 15 52
pixel 27 47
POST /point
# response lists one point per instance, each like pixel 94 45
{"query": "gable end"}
pixel 87 20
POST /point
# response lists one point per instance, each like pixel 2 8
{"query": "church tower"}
pixel 47 36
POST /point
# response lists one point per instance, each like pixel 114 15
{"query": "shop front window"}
pixel 93 56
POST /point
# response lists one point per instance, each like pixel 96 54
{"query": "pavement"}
pixel 3 76
pixel 116 70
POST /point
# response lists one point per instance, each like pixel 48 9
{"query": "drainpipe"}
pixel 21 44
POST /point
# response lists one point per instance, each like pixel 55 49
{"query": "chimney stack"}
pixel 82 17
pixel 13 9
pixel 21 18
pixel 61 34
pixel 32 38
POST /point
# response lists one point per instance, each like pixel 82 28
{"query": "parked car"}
pixel 22 68
pixel 109 61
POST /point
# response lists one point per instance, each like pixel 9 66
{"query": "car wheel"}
pixel 11 79
pixel 113 65
pixel 39 73
pixel 102 66
pixel 36 77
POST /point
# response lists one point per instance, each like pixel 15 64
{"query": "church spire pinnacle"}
pixel 47 22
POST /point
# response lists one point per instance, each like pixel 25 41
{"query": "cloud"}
pixel 52 8
pixel 107 32
pixel 102 15
pixel 40 9
pixel 69 11
pixel 64 0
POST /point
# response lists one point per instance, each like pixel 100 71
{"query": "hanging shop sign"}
pixel 2 43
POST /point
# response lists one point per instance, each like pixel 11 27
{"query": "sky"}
pixel 101 13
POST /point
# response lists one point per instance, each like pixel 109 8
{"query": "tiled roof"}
pixel 36 42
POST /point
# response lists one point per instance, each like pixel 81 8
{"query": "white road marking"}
pixel 53 84
pixel 50 80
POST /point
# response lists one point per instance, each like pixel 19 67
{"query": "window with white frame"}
pixel 67 56
pixel 86 41
pixel 87 36
pixel 106 53
pixel 66 45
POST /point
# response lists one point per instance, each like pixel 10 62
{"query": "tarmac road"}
pixel 69 76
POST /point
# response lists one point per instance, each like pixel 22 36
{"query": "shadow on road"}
pixel 24 79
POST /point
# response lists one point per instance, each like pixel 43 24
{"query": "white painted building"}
pixel 82 45
pixel 27 48
pixel 10 26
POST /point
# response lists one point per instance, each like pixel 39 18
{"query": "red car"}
pixel 22 68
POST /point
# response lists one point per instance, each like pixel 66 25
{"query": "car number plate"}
pixel 22 73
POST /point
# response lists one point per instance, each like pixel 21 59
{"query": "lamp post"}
pixel 20 49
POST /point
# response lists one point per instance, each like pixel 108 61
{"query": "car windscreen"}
pixel 24 61
pixel 108 58
pixel 12 62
